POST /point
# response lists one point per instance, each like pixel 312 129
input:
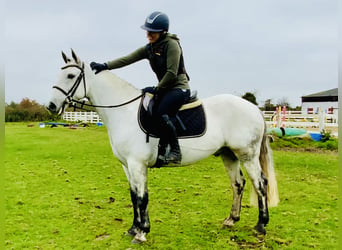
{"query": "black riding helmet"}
pixel 156 22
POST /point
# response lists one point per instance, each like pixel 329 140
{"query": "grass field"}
pixel 65 190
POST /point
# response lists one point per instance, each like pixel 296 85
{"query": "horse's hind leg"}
pixel 260 185
pixel 232 165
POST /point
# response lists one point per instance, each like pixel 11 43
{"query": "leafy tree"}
pixel 250 97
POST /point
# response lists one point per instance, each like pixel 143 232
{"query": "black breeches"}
pixel 170 102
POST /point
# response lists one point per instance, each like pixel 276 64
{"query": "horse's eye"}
pixel 70 76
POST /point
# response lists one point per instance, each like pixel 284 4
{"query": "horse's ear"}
pixel 74 56
pixel 65 58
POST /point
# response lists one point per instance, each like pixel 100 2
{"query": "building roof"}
pixel 330 92
pixel 330 95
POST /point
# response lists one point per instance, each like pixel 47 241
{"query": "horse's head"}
pixel 70 85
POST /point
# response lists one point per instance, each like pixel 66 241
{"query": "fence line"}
pixel 297 119
pixel 273 119
pixel 87 117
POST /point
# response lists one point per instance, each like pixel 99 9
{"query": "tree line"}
pixel 26 110
pixel 31 111
pixel 268 105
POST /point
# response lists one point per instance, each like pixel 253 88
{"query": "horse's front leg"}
pixel 137 175
pixel 141 221
pixel 136 219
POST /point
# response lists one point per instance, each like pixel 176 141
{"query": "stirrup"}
pixel 173 157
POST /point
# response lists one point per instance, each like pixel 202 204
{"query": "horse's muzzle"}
pixel 52 107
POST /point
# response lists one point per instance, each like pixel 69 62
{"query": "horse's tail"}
pixel 266 162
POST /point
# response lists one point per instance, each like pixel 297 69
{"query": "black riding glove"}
pixel 151 90
pixel 98 67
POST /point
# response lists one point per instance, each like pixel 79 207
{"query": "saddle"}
pixel 190 120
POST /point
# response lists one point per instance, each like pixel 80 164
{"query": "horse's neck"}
pixel 107 89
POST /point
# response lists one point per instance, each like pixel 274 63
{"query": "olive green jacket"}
pixel 165 58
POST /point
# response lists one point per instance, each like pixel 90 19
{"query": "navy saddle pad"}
pixel 193 119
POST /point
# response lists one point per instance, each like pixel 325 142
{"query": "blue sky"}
pixel 276 49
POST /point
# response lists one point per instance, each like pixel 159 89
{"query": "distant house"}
pixel 326 100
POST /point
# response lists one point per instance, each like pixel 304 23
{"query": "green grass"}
pixel 65 190
pixel 304 143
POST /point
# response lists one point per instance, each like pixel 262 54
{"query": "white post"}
pixel 321 120
pixel 91 117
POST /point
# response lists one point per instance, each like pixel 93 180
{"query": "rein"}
pixel 69 99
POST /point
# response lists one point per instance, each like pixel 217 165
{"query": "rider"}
pixel 166 59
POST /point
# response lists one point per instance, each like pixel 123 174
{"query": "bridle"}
pixel 69 96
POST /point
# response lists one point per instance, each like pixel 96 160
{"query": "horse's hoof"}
pixel 133 231
pixel 135 241
pixel 260 229
pixel 139 238
pixel 228 223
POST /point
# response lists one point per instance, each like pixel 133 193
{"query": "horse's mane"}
pixel 110 77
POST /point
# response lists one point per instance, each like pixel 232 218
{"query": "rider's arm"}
pixel 135 56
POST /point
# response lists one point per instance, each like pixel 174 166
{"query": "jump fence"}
pixel 297 119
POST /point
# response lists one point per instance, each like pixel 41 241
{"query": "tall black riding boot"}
pixel 174 156
pixel 161 152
